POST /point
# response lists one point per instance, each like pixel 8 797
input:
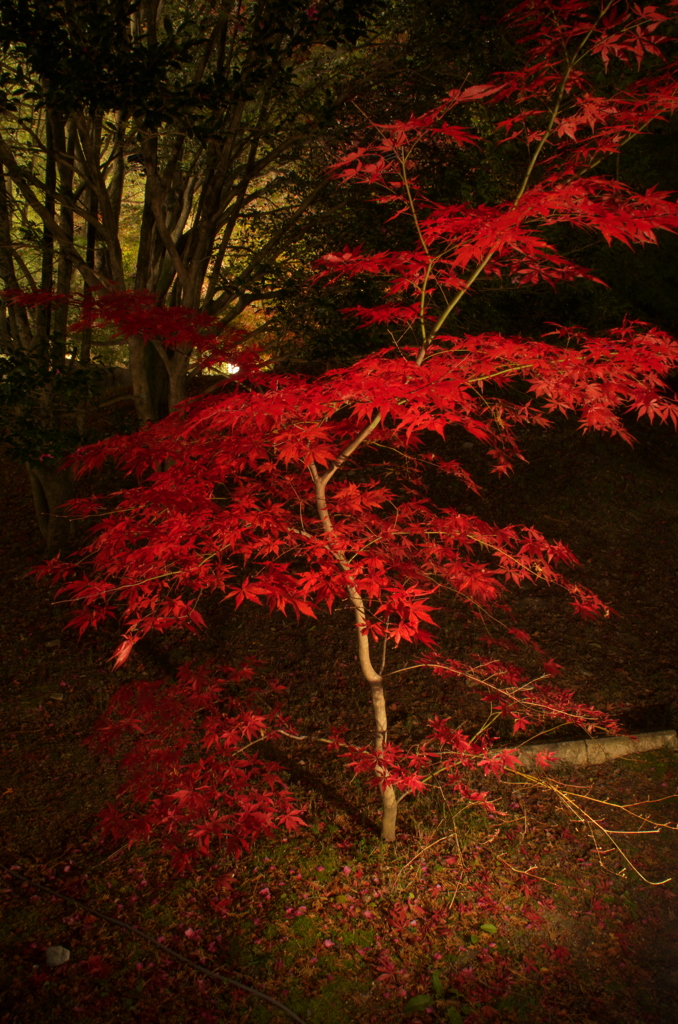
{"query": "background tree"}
pixel 170 148
pixel 196 114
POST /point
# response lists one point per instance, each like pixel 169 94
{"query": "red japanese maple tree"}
pixel 274 490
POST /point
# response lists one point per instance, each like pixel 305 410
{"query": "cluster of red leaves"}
pixel 194 780
pixel 566 119
pixel 448 753
pixel 176 326
pixel 192 773
pixel 463 237
pixel 275 490
pixel 227 503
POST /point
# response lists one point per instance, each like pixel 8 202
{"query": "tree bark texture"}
pixel 389 801
pixel 51 487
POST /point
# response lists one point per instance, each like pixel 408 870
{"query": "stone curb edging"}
pixel 599 750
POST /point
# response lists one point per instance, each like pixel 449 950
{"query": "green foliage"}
pixel 41 409
pixel 449 1000
pixel 417 1003
pixel 82 56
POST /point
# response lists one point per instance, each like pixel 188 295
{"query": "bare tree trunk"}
pixel 19 330
pixel 143 400
pixel 115 192
pixel 64 141
pixel 51 488
pixel 43 316
pixel 90 257
pixel 177 369
pixel 155 366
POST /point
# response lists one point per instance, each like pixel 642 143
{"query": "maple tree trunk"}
pixel 389 803
pixel 389 813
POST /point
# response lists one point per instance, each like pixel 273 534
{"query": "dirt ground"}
pixel 617 508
